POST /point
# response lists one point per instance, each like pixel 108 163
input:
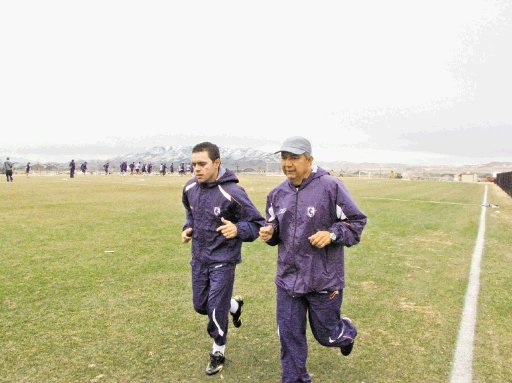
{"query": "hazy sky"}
pixel 409 81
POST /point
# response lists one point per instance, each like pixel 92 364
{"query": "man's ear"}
pixel 216 163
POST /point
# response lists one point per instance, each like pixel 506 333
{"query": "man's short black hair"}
pixel 212 149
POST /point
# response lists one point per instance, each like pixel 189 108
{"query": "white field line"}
pixel 419 200
pixel 462 370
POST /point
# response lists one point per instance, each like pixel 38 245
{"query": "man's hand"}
pixel 186 235
pixel 320 239
pixel 229 229
pixel 266 232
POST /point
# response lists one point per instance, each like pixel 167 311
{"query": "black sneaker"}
pixel 346 350
pixel 216 363
pixel 237 322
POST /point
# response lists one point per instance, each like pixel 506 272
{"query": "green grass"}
pixel 71 312
pixel 493 353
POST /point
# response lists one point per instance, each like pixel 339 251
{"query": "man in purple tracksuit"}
pixel 219 217
pixel 311 217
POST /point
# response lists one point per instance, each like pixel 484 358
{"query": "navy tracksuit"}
pixel 214 258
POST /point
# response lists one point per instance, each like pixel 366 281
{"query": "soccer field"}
pixel 95 285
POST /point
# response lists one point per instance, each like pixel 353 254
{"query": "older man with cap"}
pixel 312 217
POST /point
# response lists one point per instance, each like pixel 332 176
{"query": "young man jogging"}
pixel 311 217
pixel 219 217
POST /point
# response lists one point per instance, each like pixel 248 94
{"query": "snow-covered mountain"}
pixel 233 158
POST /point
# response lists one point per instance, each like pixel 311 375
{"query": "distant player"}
pixel 83 167
pixel 72 169
pixel 27 169
pixel 8 165
pixel 123 168
pixel 219 217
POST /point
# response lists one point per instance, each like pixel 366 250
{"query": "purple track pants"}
pixel 324 312
pixel 212 287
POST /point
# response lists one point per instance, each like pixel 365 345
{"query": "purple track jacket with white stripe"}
pixel 321 202
pixel 205 204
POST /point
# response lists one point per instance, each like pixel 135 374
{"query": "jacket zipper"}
pixel 294 243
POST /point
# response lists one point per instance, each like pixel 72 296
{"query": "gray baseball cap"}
pixel 295 145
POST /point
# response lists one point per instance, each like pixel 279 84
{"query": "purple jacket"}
pixel 205 204
pixel 321 203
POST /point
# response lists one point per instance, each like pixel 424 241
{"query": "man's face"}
pixel 296 167
pixel 205 169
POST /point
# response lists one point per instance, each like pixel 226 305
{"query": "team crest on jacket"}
pixel 311 211
pixel 216 211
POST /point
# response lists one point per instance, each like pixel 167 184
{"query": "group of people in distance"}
pixel 311 217
pixel 135 168
pixel 9 169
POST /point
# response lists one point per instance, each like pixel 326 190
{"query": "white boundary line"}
pixel 462 370
pixel 419 200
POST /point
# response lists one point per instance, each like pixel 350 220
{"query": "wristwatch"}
pixel 332 235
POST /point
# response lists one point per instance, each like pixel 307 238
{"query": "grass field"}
pixel 95 285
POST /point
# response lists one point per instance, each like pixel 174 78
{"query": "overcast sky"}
pixel 408 81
